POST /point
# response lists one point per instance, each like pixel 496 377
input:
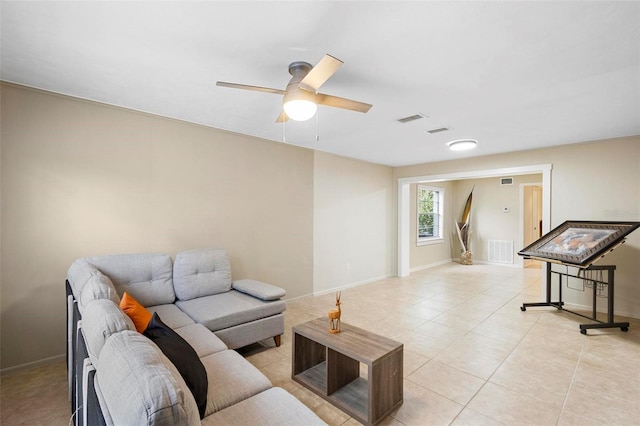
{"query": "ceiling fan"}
pixel 301 97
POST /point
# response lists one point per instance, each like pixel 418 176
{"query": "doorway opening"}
pixel 531 218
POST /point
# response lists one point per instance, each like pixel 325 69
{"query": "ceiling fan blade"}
pixel 321 72
pixel 282 117
pixel 334 101
pixel 246 87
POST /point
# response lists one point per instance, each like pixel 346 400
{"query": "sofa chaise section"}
pixel 239 312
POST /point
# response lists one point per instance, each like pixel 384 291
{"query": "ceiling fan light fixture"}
pixel 299 104
pixel 462 144
pixel 300 109
pixel 301 97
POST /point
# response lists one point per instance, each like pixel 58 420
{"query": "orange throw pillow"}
pixel 138 314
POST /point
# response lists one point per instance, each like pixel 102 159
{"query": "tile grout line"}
pixel 573 378
pixel 499 365
pixel 492 374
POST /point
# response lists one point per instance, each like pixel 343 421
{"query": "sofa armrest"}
pixel 259 289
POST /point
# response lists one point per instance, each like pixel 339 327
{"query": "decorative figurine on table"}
pixel 334 317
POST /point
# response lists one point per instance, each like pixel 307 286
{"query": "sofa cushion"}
pixel 201 339
pixel 140 386
pixel 88 283
pixel 101 319
pixel 138 314
pixel 78 274
pixel 250 332
pixel 273 407
pixel 183 356
pixel 171 315
pixel 229 309
pixel 146 276
pixel 231 380
pixel 201 272
pixel 259 289
pixel 98 286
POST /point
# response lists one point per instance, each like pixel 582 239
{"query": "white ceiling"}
pixel 513 75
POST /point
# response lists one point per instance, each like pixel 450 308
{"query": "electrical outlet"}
pixel 347 266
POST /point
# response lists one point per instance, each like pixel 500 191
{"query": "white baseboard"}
pixel 350 285
pixel 22 367
pixel 589 309
pixel 334 289
pixel 304 296
pixel 507 265
pixel 484 262
pixel 430 265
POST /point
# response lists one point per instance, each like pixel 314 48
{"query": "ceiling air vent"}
pixel 438 130
pixel 411 118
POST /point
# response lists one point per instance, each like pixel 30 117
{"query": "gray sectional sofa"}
pixel 118 376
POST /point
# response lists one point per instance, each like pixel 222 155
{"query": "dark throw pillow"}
pixel 183 356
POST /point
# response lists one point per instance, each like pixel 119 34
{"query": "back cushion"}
pixel 201 272
pixel 140 386
pixel 101 319
pixel 81 273
pixel 78 274
pixel 147 277
pixel 88 284
pixel 99 286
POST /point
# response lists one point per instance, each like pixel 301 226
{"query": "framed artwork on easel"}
pixel 579 243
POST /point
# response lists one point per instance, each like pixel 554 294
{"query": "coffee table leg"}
pixel 385 386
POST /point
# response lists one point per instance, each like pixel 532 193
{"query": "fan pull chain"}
pixel 284 131
pixel 317 119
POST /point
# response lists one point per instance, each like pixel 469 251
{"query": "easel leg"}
pixel 557 304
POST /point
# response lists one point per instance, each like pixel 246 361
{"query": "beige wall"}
pixel 488 220
pixel 80 179
pixel 353 224
pixel 589 181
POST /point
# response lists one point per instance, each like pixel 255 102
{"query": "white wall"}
pixel 353 223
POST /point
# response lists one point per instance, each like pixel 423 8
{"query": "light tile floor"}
pixel 471 356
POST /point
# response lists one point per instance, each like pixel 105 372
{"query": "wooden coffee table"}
pixel 329 365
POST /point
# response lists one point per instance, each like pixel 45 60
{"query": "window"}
pixel 430 203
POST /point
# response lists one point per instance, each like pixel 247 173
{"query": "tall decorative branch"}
pixel 463 227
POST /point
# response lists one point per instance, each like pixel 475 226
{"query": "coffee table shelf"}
pixel 315 377
pixel 329 365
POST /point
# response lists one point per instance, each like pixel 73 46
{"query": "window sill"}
pixel 429 242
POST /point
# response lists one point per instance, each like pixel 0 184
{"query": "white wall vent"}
pixel 500 251
pixel 506 181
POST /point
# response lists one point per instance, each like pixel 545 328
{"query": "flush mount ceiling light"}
pixel 462 144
